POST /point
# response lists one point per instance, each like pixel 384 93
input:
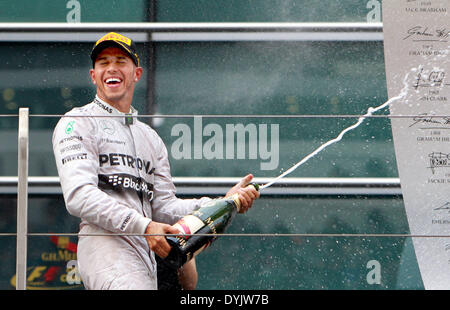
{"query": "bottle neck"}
pixel 236 201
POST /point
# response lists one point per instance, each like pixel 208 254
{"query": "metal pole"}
pixel 22 200
pixel 181 32
pixel 192 27
pixel 372 187
pixel 150 46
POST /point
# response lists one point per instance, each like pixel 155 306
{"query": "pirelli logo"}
pixel 116 37
pixel 73 157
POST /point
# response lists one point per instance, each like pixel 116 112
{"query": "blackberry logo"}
pixel 115 180
pixel 121 182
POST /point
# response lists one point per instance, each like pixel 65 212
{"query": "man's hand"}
pixel 187 275
pixel 247 194
pixel 159 244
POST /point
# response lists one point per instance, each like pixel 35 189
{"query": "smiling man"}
pixel 115 70
pixel 115 175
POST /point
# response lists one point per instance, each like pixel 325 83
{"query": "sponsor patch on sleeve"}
pixel 69 158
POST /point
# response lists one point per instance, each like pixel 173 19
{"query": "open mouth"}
pixel 113 82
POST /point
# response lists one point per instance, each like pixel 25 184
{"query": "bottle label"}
pixel 189 225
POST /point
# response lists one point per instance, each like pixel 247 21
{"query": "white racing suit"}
pixel 115 176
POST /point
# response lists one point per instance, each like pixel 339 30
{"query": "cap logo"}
pixel 115 37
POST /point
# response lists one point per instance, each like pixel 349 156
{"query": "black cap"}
pixel 113 39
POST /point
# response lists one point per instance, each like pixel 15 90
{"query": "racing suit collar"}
pixel 107 109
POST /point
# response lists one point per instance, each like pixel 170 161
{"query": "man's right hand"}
pixel 158 243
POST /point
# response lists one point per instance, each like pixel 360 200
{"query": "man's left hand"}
pixel 247 194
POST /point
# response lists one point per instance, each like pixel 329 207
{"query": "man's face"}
pixel 115 74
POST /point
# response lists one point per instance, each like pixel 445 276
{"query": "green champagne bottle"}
pixel 200 229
